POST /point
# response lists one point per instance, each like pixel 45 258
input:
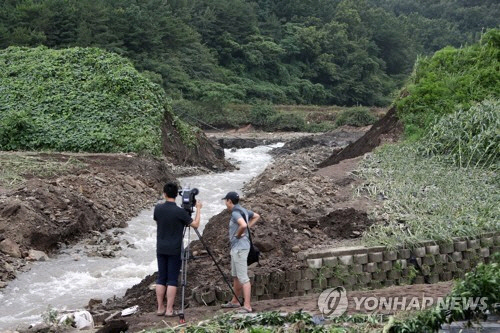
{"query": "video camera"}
pixel 188 198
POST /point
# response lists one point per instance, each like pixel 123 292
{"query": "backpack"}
pixel 254 253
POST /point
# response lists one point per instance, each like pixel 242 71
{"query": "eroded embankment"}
pixel 49 200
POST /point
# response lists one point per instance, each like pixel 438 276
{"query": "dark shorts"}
pixel 169 267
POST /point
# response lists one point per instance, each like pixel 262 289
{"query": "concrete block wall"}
pixel 369 268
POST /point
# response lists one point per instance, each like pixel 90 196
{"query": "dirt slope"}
pixel 387 129
pixel 50 207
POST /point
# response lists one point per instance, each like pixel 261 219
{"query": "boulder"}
pixel 11 248
pixel 35 255
pixel 264 246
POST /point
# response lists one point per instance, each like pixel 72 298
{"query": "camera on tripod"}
pixel 188 198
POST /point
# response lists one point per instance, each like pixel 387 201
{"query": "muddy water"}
pixel 69 280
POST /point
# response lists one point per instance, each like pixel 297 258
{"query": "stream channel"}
pixel 70 279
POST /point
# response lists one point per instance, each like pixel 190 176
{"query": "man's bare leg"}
pixel 247 289
pixel 171 292
pixel 237 290
pixel 160 297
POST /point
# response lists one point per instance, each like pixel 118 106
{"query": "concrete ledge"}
pixel 362 267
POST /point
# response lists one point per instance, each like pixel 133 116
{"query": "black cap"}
pixel 233 196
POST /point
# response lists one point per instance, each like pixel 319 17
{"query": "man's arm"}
pixel 242 226
pixel 196 222
pixel 253 220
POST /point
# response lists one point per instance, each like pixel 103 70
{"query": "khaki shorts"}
pixel 239 268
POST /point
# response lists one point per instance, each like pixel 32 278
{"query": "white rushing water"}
pixel 71 279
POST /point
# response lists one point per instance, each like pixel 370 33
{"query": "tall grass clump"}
pixel 357 116
pixel 424 198
pixel 77 99
pixel 452 77
pixel 467 137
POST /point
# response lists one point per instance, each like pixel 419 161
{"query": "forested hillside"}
pixel 215 52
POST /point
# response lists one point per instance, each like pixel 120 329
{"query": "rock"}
pixel 102 180
pixel 10 247
pixel 35 255
pixel 115 326
pixel 355 234
pixel 264 246
pixel 94 302
pixel 100 316
pixel 255 264
pixel 123 224
pixel 294 209
pixel 296 249
pixel 40 327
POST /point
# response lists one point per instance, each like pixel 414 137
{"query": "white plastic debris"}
pixel 130 311
pixel 84 320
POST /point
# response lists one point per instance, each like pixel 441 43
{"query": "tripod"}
pixel 185 254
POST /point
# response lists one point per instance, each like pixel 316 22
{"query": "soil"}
pixel 387 129
pixel 204 153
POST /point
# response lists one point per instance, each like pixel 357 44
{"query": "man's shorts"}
pixel 239 266
pixel 169 267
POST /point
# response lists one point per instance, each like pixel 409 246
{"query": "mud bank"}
pixel 51 200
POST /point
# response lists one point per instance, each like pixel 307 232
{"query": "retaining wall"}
pixel 368 268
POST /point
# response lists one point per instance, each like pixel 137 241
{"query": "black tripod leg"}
pixel 218 267
pixel 184 258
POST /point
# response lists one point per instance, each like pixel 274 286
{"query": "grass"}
pixel 17 167
pixel 425 198
pixel 467 137
pixel 443 186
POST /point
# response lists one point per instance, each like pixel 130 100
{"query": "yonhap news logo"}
pixel 333 302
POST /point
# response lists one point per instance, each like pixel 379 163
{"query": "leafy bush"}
pixel 288 122
pixel 467 137
pixel 78 99
pixel 357 116
pixel 451 77
pixel 263 115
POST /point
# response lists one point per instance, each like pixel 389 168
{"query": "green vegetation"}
pixel 451 78
pixel 425 198
pixel 468 137
pixel 484 281
pixel 446 183
pixel 79 99
pixel 215 53
pixel 267 322
pixel 358 116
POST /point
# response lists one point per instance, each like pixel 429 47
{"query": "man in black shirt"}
pixel 170 220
